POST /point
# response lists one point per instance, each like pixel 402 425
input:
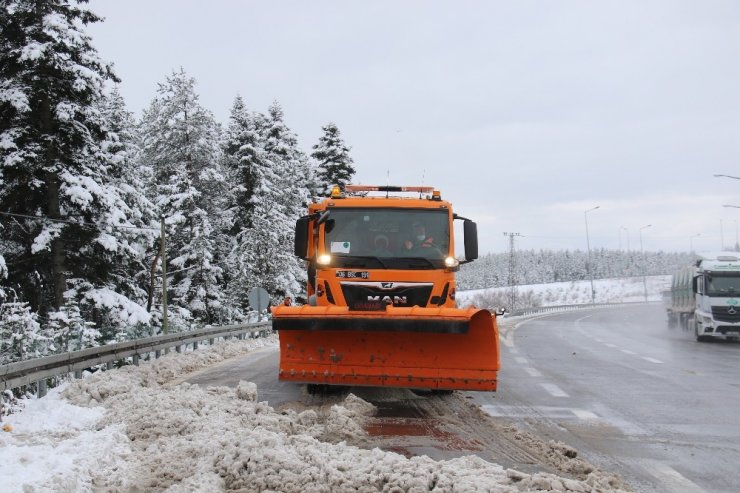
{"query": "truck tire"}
pixel 700 338
pixel 322 389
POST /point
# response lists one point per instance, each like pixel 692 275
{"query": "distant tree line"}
pixel 85 187
pixel 544 266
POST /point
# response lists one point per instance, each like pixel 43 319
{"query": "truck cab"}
pixel 716 286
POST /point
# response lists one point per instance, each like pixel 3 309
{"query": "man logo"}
pixel 731 310
pixel 386 285
pixel 396 300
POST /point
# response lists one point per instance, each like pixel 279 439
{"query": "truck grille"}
pixel 371 296
pixel 720 313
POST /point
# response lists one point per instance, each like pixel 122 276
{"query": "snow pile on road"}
pixel 155 436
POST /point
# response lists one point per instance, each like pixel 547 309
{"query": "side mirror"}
pixel 500 312
pixel 301 237
pixel 695 284
pixel 470 231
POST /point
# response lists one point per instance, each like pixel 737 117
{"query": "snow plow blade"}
pixel 424 348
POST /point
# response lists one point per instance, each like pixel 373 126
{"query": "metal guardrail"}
pixel 39 369
pixel 563 308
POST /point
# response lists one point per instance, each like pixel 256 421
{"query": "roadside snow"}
pixel 624 290
pixel 132 429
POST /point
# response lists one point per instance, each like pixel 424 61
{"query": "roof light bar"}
pixel 387 188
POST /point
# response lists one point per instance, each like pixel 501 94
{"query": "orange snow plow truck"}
pixel 381 296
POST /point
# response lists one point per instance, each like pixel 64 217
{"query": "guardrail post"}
pixel 42 387
pixel 178 349
pixel 195 345
pixel 78 374
pixel 210 342
pixel 136 359
pixel 157 353
pixel 109 365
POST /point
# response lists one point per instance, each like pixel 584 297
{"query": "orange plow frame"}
pixel 426 348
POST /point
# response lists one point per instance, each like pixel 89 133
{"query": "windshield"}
pixel 385 236
pixel 718 285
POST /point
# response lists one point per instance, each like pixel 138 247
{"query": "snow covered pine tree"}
pixel 180 141
pixel 63 242
pixel 334 162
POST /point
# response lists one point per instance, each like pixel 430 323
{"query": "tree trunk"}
pixel 58 275
pixel 51 177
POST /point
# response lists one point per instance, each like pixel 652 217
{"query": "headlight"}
pixel 451 262
pixel 324 259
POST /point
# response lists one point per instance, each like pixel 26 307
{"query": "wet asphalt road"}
pixel 632 395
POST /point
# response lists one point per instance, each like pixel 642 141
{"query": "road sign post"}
pixel 259 299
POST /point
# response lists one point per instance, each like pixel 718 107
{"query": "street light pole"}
pixel 588 248
pixel 642 253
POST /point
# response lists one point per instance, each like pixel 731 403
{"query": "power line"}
pixel 77 223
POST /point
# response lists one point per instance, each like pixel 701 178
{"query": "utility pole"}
pixel 162 253
pixel 588 248
pixel 512 271
pixel 642 252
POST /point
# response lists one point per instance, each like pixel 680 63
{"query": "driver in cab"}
pixel 419 238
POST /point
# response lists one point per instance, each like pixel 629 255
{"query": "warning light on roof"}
pixel 436 195
pixel 336 192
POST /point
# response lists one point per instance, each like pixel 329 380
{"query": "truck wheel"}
pixel 323 389
pixel 442 392
pixel 700 338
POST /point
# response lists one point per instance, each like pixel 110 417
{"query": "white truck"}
pixel 705 298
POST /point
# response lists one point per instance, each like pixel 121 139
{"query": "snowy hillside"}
pixel 624 290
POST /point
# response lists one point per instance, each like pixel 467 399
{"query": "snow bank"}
pixel 623 290
pixel 182 437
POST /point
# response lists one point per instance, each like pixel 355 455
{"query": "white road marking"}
pixel 520 360
pixel 671 479
pixel 652 360
pixel 551 412
pixel 554 390
pixel 533 372
pixel 627 351
pixel 610 345
pixel 583 414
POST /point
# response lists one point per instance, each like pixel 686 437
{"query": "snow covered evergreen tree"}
pixel 242 152
pixel 52 165
pixel 21 335
pixel 334 162
pixel 280 197
pixel 243 157
pixel 180 141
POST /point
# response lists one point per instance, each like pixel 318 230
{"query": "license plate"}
pixel 353 274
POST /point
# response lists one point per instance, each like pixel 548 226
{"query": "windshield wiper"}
pixel 348 261
pixel 427 262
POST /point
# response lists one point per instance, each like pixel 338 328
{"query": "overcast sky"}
pixel 524 113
